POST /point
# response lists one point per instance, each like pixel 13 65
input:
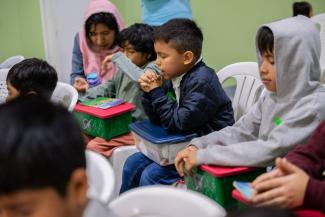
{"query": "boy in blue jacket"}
pixel 190 99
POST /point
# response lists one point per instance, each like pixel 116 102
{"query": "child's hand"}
pixel 285 191
pixel 267 176
pixel 106 61
pixel 149 81
pixel 80 84
pixel 186 156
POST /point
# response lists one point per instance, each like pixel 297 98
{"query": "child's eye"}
pixel 92 34
pixel 105 33
pixel 162 56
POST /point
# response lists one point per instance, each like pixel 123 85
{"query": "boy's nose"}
pixel 263 68
pixel 158 63
pixel 126 53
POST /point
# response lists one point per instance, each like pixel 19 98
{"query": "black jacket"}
pixel 203 105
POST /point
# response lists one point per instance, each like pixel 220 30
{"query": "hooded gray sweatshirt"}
pixel 280 120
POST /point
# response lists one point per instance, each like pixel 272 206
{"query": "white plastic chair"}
pixel 100 177
pixel 320 19
pixel 11 61
pixel 117 160
pixel 4 69
pixel 164 201
pixel 3 85
pixel 249 86
pixel 66 95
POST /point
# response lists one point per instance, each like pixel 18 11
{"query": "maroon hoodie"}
pixel 311 158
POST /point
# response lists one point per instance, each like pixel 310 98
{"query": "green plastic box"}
pixel 216 182
pixel 104 123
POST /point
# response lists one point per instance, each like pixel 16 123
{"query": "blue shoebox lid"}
pixel 158 135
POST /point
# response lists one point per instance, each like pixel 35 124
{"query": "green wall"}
pixel 20 29
pixel 229 26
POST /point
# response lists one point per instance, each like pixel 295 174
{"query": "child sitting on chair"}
pixel 42 162
pixel 190 100
pixel 288 56
pixel 31 76
pixel 137 56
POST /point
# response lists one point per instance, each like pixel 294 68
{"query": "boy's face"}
pixel 170 62
pixel 101 36
pixel 268 71
pixel 12 92
pixel 138 58
pixel 45 202
pixel 33 203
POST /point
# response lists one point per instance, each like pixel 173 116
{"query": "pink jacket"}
pixel 92 59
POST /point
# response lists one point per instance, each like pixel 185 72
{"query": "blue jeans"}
pixel 139 170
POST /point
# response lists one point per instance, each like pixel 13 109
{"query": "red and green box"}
pixel 216 182
pixel 104 123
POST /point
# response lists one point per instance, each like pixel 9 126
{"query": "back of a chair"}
pixel 118 158
pixel 3 85
pixel 4 69
pixel 249 86
pixel 66 95
pixel 11 61
pixel 101 177
pixel 320 19
pixel 164 201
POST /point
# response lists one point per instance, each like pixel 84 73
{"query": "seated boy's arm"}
pixel 129 68
pixel 310 157
pixel 196 107
pixel 148 109
pixel 77 64
pixel 293 129
pixel 106 89
pixel 314 196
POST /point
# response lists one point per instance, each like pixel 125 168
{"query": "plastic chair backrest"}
pixel 3 85
pixel 249 86
pixel 101 177
pixel 320 19
pixel 66 95
pixel 118 158
pixel 164 201
pixel 11 61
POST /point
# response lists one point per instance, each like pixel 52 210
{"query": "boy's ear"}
pixel 78 187
pixel 188 57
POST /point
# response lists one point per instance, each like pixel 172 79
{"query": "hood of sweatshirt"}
pixel 279 120
pixel 296 54
pixel 92 58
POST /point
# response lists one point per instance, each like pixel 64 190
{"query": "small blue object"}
pixel 157 134
pixel 93 79
pixel 245 188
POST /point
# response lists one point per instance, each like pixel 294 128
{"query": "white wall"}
pixel 61 20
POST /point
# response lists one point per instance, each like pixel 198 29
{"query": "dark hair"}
pixel 33 75
pixel 303 8
pixel 140 36
pixel 261 212
pixel 265 40
pixel 106 18
pixel 182 34
pixel 41 145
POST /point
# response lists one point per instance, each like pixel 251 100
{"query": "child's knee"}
pixel 149 176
